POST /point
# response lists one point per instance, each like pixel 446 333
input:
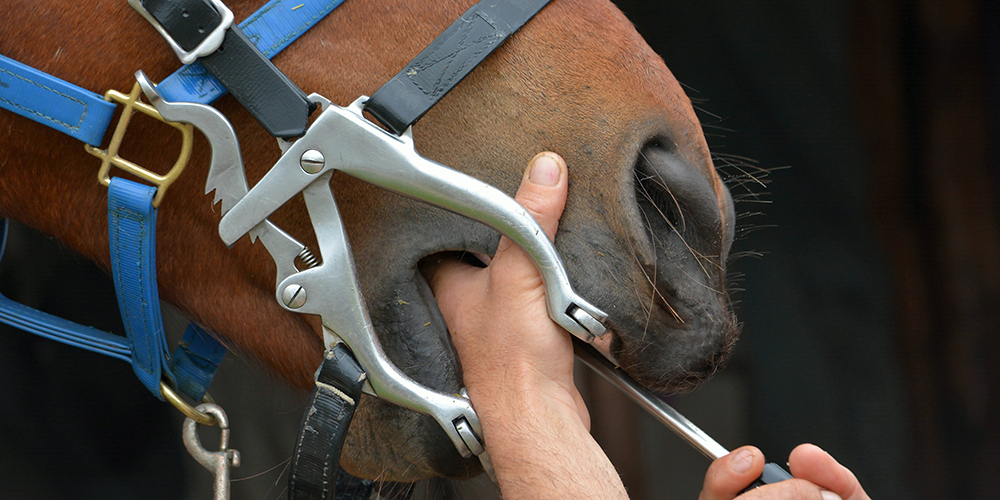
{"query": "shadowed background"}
pixel 870 316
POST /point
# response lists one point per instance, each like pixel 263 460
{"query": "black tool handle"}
pixel 773 473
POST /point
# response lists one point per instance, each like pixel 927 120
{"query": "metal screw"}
pixel 294 296
pixel 312 161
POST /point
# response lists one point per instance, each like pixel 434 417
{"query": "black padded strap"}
pixel 314 467
pixel 277 103
pixel 447 60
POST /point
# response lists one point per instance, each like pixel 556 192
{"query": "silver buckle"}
pixel 207 46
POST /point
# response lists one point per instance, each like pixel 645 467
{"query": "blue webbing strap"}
pixel 272 28
pixel 195 361
pixel 132 236
pixel 53 102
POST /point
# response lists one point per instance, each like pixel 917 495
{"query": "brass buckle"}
pixel 110 156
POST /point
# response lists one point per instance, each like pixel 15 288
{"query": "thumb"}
pixel 543 190
pixel 727 476
pixel 542 193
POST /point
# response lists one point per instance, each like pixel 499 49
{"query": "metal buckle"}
pixel 206 47
pixel 110 156
pixel 203 418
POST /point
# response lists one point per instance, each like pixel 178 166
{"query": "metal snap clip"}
pixel 217 462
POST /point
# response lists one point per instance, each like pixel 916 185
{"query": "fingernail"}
pixel 742 461
pixel 544 170
pixel 829 495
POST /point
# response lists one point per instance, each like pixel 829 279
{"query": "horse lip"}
pixel 674 314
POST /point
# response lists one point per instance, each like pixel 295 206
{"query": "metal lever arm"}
pixel 342 139
pixel 668 416
pixel 332 287
pixel 332 292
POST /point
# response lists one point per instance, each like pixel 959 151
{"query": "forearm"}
pixel 540 446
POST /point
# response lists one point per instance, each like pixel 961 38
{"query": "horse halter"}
pixel 203 35
pixel 341 138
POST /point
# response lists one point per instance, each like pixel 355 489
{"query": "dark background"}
pixel 870 276
pixel 857 137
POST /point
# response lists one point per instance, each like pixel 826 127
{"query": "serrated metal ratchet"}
pixel 342 139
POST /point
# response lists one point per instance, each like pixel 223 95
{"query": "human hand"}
pixel 497 315
pixel 518 364
pixel 817 477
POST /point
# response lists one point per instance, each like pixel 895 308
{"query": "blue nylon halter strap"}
pixel 132 236
pixel 41 97
pixel 86 116
pixel 46 325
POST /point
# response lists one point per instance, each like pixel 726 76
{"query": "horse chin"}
pixel 669 360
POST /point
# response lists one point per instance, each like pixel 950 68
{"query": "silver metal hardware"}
pixel 469 437
pixel 307 258
pixel 293 296
pixel 477 447
pixel 206 47
pixel 334 292
pixel 335 295
pixel 344 134
pixel 225 174
pixel 312 161
pixel 217 462
pixel 651 403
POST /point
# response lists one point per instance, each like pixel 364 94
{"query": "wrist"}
pixel 536 435
pixel 523 390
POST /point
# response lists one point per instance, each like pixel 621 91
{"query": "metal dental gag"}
pixel 340 138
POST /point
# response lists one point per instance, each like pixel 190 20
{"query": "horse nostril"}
pixel 677 197
pixel 657 202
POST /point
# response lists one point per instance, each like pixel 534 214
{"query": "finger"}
pixel 811 463
pixel 543 196
pixel 543 192
pixel 445 271
pixel 453 283
pixel 729 475
pixel 797 489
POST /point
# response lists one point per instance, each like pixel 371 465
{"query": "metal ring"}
pixel 188 410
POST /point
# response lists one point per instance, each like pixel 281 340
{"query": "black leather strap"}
pixel 277 103
pixel 314 466
pixel 447 60
pixel 189 22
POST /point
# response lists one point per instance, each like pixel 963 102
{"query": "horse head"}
pixel 644 236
